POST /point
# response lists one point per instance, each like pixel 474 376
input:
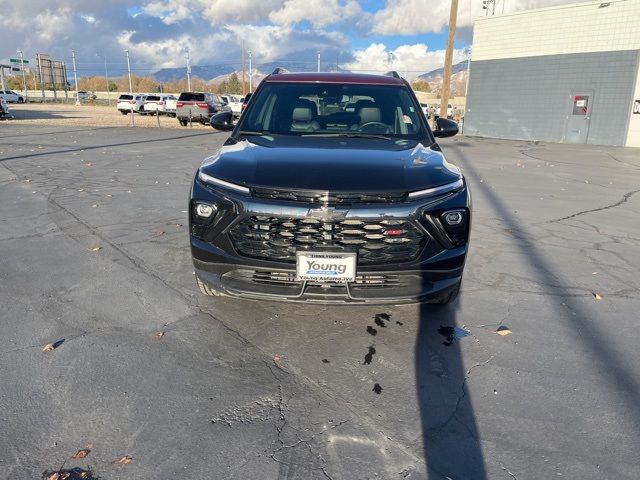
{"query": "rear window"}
pixel 191 97
pixel 122 97
pixel 153 98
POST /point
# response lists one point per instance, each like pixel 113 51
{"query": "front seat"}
pixel 302 118
pixel 367 111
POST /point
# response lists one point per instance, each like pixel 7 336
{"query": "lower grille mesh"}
pixel 289 278
pixel 278 239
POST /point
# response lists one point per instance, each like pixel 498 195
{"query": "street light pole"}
pixel 250 81
pixel 75 75
pixel 129 71
pixel 188 70
pixel 24 78
pixel 318 61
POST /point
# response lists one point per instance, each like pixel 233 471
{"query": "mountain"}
pixel 436 75
pixel 219 73
pixel 200 71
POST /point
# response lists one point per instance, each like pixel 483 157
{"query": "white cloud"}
pixel 317 12
pixel 409 60
pixel 268 43
pixel 411 17
pixel 50 23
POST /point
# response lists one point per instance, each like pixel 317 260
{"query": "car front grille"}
pixel 376 242
pixel 328 198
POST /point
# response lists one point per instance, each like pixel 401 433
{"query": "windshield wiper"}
pixel 349 135
pixel 250 133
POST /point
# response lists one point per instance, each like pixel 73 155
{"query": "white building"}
pixel 562 74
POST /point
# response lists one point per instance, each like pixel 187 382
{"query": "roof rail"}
pixel 279 70
pixel 393 74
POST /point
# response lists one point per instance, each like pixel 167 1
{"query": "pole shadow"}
pixel 449 431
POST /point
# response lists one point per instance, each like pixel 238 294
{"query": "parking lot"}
pixel 158 381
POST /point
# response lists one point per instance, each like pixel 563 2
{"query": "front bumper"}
pixel 430 276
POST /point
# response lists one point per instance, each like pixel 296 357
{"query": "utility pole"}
pixel 318 61
pixel 24 78
pixel 337 62
pixel 75 75
pixel 188 70
pixel 448 59
pixel 244 90
pixel 250 73
pixel 129 71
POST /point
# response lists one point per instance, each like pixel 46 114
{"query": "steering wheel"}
pixel 374 127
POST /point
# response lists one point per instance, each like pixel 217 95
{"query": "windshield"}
pixel 333 109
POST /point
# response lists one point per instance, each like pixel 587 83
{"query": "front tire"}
pixel 124 112
pixel 207 290
pixel 183 122
pixel 20 100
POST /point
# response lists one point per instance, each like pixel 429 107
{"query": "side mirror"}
pixel 222 121
pixel 446 128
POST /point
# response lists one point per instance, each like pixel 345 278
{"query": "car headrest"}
pixel 302 114
pixel 370 114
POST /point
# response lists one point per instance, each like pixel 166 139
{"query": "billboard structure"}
pixel 51 74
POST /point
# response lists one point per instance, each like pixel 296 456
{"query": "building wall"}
pixel 633 134
pixel 530 98
pixel 576 28
pixel 524 67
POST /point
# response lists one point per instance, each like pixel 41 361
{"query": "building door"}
pixel 576 128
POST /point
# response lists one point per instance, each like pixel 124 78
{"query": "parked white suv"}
pixel 128 102
pixel 234 102
pixel 11 96
pixel 160 104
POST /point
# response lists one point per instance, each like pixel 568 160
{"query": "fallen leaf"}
pixel 276 358
pixel 94 206
pixel 597 296
pixel 65 476
pixel 325 360
pixel 95 249
pixel 28 180
pixel 504 331
pixel 161 232
pixel 48 347
pixel 178 225
pixel 159 335
pixel 81 189
pixel 54 476
pixel 124 460
pixel 82 453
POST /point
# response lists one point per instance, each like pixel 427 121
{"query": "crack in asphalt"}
pixel 623 200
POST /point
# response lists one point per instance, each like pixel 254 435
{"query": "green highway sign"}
pixel 17 60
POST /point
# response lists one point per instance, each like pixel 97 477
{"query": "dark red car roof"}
pixel 334 78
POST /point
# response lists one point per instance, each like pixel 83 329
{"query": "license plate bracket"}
pixel 326 267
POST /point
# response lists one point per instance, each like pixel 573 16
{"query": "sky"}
pixel 360 35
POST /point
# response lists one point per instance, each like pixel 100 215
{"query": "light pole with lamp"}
pixel 75 75
pixel 250 73
pixel 24 79
pixel 129 71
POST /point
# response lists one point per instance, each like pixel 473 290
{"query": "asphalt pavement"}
pixel 148 379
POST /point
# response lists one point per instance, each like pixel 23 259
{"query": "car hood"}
pixel 331 164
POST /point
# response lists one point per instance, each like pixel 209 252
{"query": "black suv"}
pixel 331 188
pixel 198 107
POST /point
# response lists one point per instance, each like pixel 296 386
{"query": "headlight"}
pixel 222 183
pixel 442 189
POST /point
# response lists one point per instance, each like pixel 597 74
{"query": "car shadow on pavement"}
pixel 449 430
